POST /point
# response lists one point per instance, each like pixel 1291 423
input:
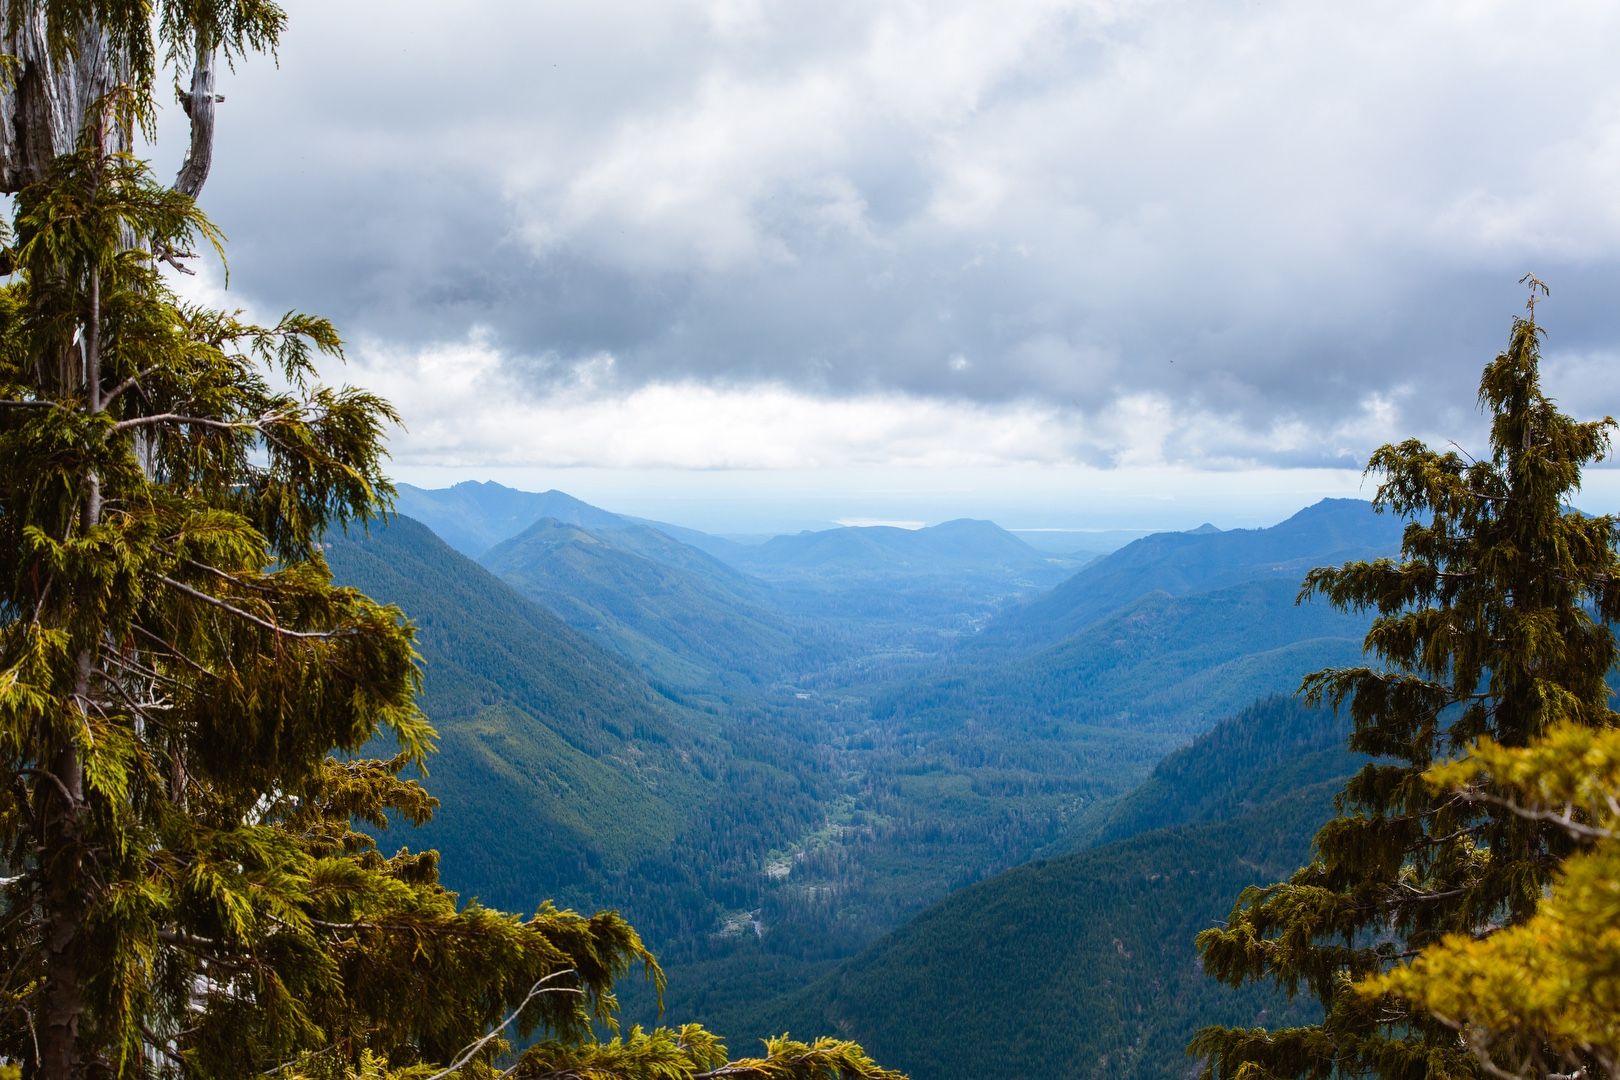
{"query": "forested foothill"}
pixel 306 774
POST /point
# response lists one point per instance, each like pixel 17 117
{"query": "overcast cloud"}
pixel 747 234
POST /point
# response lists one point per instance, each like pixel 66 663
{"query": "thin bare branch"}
pixel 478 1044
pixel 195 421
pixel 248 616
pixel 133 381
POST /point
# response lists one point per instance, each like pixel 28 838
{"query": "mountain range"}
pixel 771 756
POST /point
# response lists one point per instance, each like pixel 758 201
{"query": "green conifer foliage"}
pixel 1541 997
pixel 1494 623
pixel 186 888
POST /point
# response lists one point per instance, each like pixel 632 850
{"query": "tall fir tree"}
pixel 1492 624
pixel 187 890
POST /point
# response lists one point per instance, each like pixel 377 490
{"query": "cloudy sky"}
pixel 753 265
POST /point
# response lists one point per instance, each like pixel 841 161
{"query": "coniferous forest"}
pixel 309 772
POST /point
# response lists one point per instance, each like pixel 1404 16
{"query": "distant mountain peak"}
pixel 1333 506
pixel 1204 530
pixel 969 524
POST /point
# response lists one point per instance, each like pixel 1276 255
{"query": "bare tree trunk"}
pixel 199 106
pixel 43 103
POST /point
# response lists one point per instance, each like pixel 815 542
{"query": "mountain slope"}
pixel 1075 967
pixel 1163 663
pixel 901 588
pixel 881 551
pixel 1330 532
pixel 474 516
pixel 1084 966
pixel 556 757
pixel 1274 747
pixel 678 614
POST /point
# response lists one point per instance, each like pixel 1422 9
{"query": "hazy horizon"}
pixel 738 502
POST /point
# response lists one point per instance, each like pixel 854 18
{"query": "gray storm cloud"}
pixel 1261 215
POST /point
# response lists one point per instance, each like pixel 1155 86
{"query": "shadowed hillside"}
pixel 1083 965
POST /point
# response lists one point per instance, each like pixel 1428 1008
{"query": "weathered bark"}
pixel 199 104
pixel 63 898
pixel 45 102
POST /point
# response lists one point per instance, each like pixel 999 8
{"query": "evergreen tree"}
pixel 186 890
pixel 1493 624
pixel 1542 996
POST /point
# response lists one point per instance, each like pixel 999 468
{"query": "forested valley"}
pixel 310 774
pixel 767 755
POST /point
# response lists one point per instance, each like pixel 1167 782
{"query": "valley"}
pixel 771 756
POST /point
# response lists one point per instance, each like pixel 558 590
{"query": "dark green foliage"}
pixel 1070 967
pixel 1073 966
pixel 156 679
pixel 1160 663
pixel 556 758
pixel 1493 622
pixel 1271 749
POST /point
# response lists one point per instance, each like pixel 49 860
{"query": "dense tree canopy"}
pixel 1493 625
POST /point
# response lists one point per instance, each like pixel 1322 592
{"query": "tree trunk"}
pixel 63 899
pixel 199 106
pixel 67 857
pixel 47 104
pixel 44 103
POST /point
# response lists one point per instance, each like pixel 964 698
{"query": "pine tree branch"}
pixel 172 650
pixel 224 605
pixel 1563 820
pixel 255 424
pixel 133 380
pixel 225 576
pixel 135 668
pixel 478 1044
pixel 52 777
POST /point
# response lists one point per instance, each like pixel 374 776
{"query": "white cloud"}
pixel 465 407
pixel 1151 230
